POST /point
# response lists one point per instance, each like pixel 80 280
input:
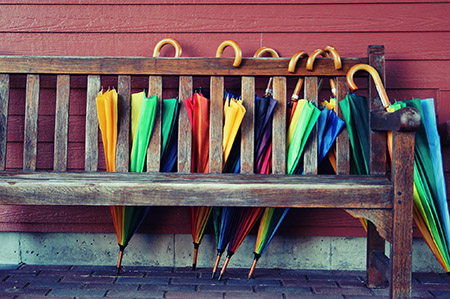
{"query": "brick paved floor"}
pixel 39 281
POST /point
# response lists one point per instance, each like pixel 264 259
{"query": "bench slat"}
pixel 247 127
pixel 184 127
pixel 343 141
pixel 91 144
pixel 154 146
pixel 311 148
pixel 169 66
pixel 31 123
pixel 279 128
pixel 61 122
pixel 4 103
pixel 216 126
pixel 123 135
pixel 166 189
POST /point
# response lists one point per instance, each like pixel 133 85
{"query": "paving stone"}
pixel 76 293
pixel 31 296
pixel 194 295
pixel 224 288
pixel 308 283
pixel 342 291
pixel 170 287
pixel 240 295
pixel 135 273
pixel 111 286
pixel 311 296
pixel 142 280
pixel 30 278
pixel 87 279
pixel 54 285
pixel 439 293
pixel 12 284
pixel 18 291
pixel 135 294
pixel 281 289
pixel 64 273
pixel 171 274
pixel 26 267
pixel 197 281
pixel 254 282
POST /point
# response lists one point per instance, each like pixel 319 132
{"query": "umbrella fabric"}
pixel 264 108
pixel 169 134
pixel 355 112
pixel 302 118
pixel 197 108
pixel 329 125
pixel 128 219
pixel 226 219
pixel 430 202
pixel 107 119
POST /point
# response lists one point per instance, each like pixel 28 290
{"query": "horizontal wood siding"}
pixel 416 35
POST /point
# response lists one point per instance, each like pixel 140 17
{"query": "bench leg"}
pixel 402 215
pixel 375 243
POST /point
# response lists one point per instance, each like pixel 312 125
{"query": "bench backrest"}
pixel 185 69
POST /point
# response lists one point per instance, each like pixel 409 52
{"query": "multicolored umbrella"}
pixel 127 219
pixel 431 214
pixel 169 144
pixel 197 108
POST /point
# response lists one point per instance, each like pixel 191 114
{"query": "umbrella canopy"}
pixel 169 144
pixel 431 214
pixel 430 199
pixel 197 108
pixel 226 219
pixel 127 219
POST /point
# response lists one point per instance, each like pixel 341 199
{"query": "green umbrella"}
pixel 127 219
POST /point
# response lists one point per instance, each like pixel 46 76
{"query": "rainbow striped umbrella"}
pixel 197 108
pixel 127 219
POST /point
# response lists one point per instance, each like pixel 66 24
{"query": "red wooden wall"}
pixel 416 35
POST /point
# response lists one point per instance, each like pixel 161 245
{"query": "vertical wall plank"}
pixel 4 103
pixel 279 130
pixel 216 125
pixel 31 123
pixel 342 141
pixel 184 127
pixel 61 122
pixel 248 126
pixel 311 148
pixel 91 144
pixel 154 147
pixel 124 115
pixel 378 157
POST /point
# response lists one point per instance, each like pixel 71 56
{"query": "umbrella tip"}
pixel 213 275
pixel 220 276
pixel 194 267
pixel 118 270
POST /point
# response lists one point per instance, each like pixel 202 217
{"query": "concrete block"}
pixel 348 253
pixel 10 251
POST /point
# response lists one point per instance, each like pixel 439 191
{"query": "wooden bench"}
pixel 384 198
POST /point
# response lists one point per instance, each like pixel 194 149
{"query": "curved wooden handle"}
pixel 334 53
pixel 376 78
pixel 294 60
pixel 313 56
pixel 297 89
pixel 236 48
pixel 263 50
pixel 166 41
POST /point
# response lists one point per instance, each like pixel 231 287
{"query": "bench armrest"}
pixel 405 119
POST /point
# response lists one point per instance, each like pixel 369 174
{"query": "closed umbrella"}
pixel 431 214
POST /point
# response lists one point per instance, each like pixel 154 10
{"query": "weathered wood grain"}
pixel 184 127
pixel 168 66
pixel 279 126
pixel 311 148
pixel 402 214
pixel 91 144
pixel 154 147
pixel 124 123
pixel 387 17
pixel 195 190
pixel 216 125
pixel 248 126
pixel 4 104
pixel 377 162
pixel 61 123
pixel 342 141
pixel 31 123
